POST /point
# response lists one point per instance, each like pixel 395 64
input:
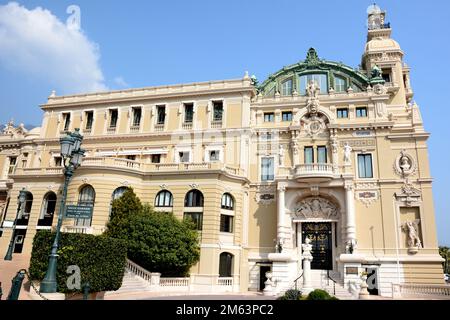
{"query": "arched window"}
pixel 227 202
pixel 118 192
pixel 286 87
pixel 24 215
pixel 47 209
pixel 340 84
pixel 225 264
pixel 194 198
pixel 164 199
pixel 85 198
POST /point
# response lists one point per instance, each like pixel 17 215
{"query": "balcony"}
pixel 159 127
pixel 135 128
pixel 314 172
pixel 111 130
pixel 137 166
pixel 111 163
pixel 187 126
pixel 216 124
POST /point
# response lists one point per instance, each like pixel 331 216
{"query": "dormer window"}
pixel 320 79
pixel 286 88
pixel 339 84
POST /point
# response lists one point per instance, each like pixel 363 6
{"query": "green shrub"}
pixel 318 294
pixel 291 294
pixel 122 210
pixel 101 259
pixel 160 242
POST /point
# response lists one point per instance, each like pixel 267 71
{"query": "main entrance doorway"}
pixel 320 234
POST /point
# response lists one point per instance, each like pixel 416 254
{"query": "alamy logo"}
pixel 74 280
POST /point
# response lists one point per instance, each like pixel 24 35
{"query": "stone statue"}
pixel 281 154
pixel 347 153
pixel 375 72
pixel 334 145
pixel 307 247
pixel 412 228
pixel 405 163
pixel 313 89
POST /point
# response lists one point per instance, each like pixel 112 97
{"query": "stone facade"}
pixel 319 149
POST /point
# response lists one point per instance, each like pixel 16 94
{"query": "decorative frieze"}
pixel 360 143
pixel 265 195
pixel 316 208
pixel 367 197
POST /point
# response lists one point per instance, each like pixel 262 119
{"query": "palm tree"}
pixel 445 253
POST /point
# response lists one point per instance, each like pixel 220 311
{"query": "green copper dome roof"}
pixel 314 65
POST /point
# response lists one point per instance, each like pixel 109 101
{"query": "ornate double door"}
pixel 320 234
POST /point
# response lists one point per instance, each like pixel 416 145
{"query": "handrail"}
pixel 334 282
pixel 295 281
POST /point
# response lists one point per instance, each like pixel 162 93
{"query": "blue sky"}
pixel 144 43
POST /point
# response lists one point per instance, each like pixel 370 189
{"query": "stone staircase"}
pixel 320 280
pixel 131 283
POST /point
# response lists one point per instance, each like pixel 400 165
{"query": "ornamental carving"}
pixel 265 195
pixel 367 197
pixel 314 124
pixel 315 208
pixel 358 143
pixel 409 195
pixel 405 165
pixel 14 132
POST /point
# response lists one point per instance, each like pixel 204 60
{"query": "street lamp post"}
pixel 20 201
pixel 72 155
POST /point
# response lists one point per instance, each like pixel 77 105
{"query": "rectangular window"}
pixel 361 112
pixel 286 116
pixel 365 165
pixel 156 158
pixel 342 113
pixel 386 74
pixel 309 155
pixel 286 88
pixel 267 169
pixel 183 156
pixel 217 110
pixel 66 119
pixel 24 159
pixel 12 165
pixel 196 218
pixel 161 114
pixel 89 119
pixel 113 115
pixel 214 155
pixel 320 79
pixel 321 154
pixel 188 112
pixel 269 117
pixel 137 113
pixel 226 223
pixel 58 161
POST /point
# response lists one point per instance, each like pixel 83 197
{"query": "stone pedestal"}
pixel 283 270
pixel 307 258
pixel 351 264
pixel 269 285
pixel 364 293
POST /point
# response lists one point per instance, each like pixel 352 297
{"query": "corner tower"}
pixel 385 53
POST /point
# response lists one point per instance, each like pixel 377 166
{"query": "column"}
pixel 281 213
pixel 350 217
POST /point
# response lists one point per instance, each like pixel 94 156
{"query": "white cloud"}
pixel 36 43
pixel 121 82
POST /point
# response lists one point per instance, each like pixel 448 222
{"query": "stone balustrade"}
pixel 410 290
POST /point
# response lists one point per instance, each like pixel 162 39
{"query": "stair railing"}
pixel 334 282
pixel 296 280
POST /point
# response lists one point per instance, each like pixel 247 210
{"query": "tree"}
pixel 122 210
pixel 160 242
pixel 445 253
